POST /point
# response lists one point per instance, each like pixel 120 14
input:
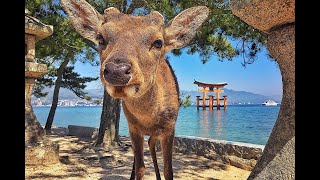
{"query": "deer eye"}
pixel 157 43
pixel 101 39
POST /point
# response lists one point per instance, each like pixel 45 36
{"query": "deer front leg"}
pixel 152 146
pixel 133 172
pixel 137 146
pixel 167 148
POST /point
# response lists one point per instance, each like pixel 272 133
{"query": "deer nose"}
pixel 117 74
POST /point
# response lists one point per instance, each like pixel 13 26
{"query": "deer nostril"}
pixel 125 69
pixel 128 71
pixel 105 72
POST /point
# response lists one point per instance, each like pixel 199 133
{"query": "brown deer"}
pixel 133 68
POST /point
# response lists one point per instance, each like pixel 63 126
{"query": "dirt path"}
pixel 81 161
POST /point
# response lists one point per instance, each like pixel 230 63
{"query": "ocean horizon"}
pixel 240 123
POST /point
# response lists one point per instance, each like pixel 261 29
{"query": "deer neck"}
pixel 145 105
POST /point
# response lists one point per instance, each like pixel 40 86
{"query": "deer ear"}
pixel 180 30
pixel 84 18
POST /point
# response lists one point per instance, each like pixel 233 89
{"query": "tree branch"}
pixel 74 47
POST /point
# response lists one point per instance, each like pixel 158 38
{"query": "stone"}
pixel 44 153
pixel 38 149
pixel 264 14
pixel 33 129
pixel 35 27
pixel 34 70
pixel 242 163
pixel 242 155
pixel 277 19
pixel 283 165
pixel 281 45
pixel 34 133
pixel 82 131
pixel 29 41
pixel 60 131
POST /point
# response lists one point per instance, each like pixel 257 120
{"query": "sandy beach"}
pixel 80 160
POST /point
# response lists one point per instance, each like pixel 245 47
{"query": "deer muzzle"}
pixel 117 74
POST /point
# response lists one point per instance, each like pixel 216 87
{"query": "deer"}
pixel 133 67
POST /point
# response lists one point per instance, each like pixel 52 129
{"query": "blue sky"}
pixel 261 77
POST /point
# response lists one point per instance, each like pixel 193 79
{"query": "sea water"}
pixel 241 123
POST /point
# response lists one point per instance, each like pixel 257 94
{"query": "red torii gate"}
pixel 211 98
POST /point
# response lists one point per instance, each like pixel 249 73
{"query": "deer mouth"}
pixel 123 91
pixel 135 86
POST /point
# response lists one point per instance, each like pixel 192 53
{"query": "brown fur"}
pixel 150 98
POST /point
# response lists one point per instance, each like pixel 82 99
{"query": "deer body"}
pixel 133 68
pixel 156 121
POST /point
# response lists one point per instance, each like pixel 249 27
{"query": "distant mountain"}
pixel 234 97
pixel 98 93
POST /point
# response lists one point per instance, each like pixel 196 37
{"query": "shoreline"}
pixel 239 143
pixel 251 145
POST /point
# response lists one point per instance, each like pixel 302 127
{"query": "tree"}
pixel 64 46
pixel 108 134
pixel 109 122
pixel 186 102
pixel 68 79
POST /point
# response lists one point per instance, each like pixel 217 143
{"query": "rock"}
pixel 277 19
pixel 264 14
pixel 283 165
pixel 82 131
pixel 281 45
pixel 30 52
pixel 35 27
pixel 34 70
pixel 242 163
pixel 60 131
pixel 242 155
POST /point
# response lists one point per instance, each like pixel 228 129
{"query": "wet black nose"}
pixel 117 74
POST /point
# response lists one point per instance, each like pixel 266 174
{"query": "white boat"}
pixel 269 103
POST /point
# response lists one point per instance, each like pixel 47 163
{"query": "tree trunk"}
pixel 55 96
pixel 108 134
pixel 277 160
pixel 109 121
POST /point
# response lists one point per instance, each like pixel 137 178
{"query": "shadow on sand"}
pixel 80 160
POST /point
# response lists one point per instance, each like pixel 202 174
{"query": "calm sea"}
pixel 245 123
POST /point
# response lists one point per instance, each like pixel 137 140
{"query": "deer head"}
pixel 131 47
